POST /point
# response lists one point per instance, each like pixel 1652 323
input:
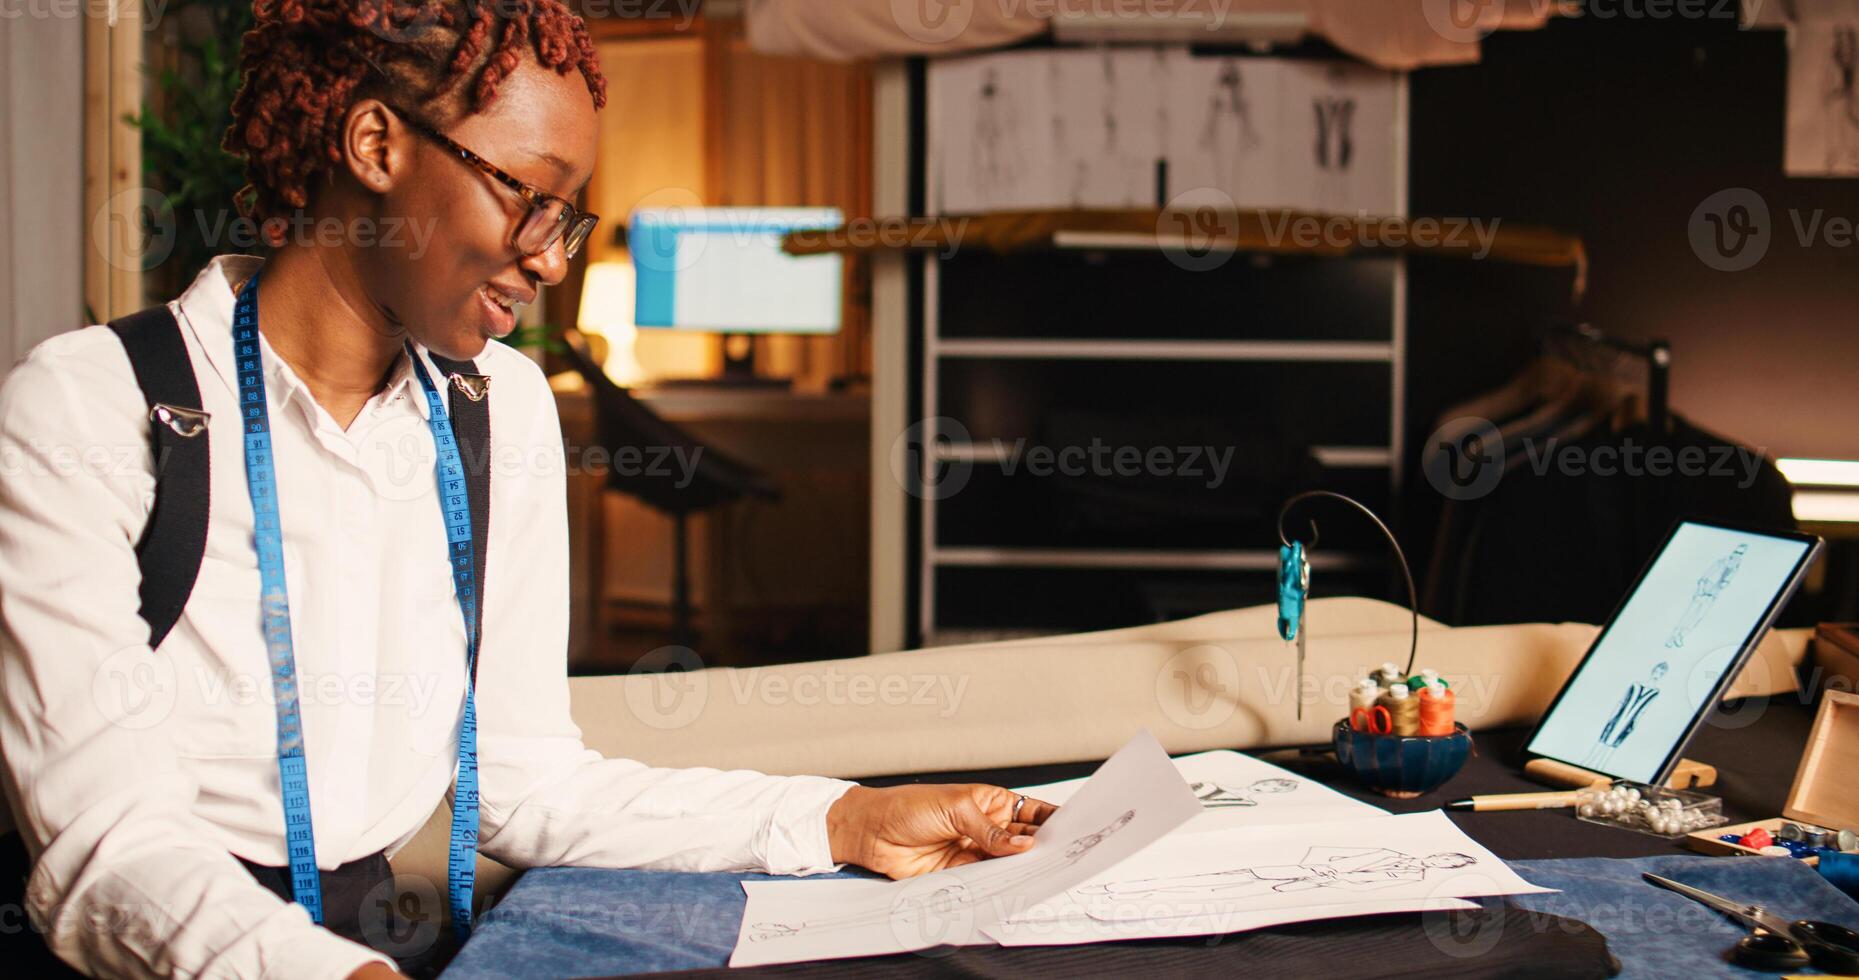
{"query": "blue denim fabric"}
pixel 580 922
pixel 567 922
pixel 1657 933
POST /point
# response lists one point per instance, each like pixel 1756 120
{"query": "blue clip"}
pixel 1293 587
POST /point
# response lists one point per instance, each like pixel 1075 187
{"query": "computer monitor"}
pixel 723 270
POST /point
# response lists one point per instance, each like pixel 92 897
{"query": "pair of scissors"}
pixel 1375 720
pixel 1776 943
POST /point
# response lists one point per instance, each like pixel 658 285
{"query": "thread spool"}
pixel 1426 678
pixel 1364 695
pixel 1389 675
pixel 1403 710
pixel 1435 710
pixel 1841 869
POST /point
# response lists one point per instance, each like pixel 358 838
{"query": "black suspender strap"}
pixel 469 405
pixel 176 535
pixel 175 538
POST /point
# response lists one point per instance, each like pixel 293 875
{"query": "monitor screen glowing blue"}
pixel 722 269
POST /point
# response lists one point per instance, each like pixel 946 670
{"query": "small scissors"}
pixel 1776 943
pixel 1375 720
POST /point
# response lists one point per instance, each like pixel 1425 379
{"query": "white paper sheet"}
pixel 1086 129
pixel 1237 790
pixel 1062 922
pixel 1232 880
pixel 1823 94
pixel 1132 800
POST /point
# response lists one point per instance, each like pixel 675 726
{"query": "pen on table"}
pixel 1518 801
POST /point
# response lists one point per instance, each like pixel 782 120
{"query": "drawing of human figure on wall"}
pixel 1334 152
pixel 1842 101
pixel 1711 584
pixel 996 164
pixel 1344 869
pixel 1227 134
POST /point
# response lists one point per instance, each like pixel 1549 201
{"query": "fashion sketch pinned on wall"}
pixel 1711 584
pixel 1136 127
pixel 1225 152
pixel 1823 98
pixel 1339 154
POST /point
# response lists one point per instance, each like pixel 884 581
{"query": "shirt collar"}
pixel 207 307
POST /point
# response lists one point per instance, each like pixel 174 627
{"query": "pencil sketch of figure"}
pixel 1214 796
pixel 1344 869
pixel 1633 703
pixel 1842 101
pixel 947 900
pixel 996 164
pixel 1228 134
pixel 1710 585
pixel 1335 144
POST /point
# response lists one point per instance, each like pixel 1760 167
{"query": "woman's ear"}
pixel 376 145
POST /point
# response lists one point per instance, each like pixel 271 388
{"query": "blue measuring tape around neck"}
pixel 274 607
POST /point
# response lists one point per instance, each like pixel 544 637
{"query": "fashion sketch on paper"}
pixel 1338 868
pixel 946 901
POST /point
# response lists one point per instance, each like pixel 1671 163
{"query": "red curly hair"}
pixel 305 62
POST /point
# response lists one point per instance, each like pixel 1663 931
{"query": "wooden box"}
pixel 1825 791
pixel 1834 665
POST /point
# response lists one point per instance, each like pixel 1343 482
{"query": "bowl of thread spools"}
pixel 1400 738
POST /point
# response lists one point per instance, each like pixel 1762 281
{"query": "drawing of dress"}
pixel 1214 796
pixel 1842 101
pixel 1228 135
pixel 1633 703
pixel 946 901
pixel 996 165
pixel 1715 579
pixel 1345 869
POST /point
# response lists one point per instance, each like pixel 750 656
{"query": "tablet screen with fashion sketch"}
pixel 1638 692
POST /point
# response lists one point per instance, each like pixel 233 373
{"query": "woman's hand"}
pixel 904 831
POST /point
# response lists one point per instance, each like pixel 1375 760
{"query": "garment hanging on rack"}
pixel 1561 546
pixel 1550 543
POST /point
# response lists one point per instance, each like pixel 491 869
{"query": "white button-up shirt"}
pixel 136 775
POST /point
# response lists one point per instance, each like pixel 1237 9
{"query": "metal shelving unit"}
pixel 939 352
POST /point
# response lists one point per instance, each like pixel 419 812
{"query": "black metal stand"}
pixel 1413 604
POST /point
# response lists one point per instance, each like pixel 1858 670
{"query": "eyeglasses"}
pixel 549 218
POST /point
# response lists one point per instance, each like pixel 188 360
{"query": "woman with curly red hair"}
pixel 218 795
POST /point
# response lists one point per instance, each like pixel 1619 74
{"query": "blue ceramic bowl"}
pixel 1402 766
